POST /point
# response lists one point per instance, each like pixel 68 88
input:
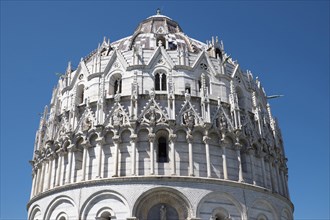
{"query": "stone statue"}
pixel 162 212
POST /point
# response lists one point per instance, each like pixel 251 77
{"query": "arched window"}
pixel 172 45
pixel 220 214
pixel 62 216
pixel 161 41
pixel 262 217
pixel 160 81
pixel 105 216
pixel 218 53
pixel 80 96
pixel 187 88
pixel 243 161
pixel 240 98
pixel 162 150
pixel 115 84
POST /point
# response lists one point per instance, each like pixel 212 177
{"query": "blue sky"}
pixel 285 44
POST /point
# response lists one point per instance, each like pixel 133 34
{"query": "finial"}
pixel 69 68
pixel 158 11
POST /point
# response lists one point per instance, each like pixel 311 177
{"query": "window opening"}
pixel 161 42
pixel 187 88
pixel 199 85
pixel 172 45
pixel 105 216
pixel 163 82
pixel 80 94
pixel 157 82
pixel 218 53
pixel 117 86
pixel 160 82
pixel 162 150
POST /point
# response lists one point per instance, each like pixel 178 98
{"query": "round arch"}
pixel 162 195
pixel 286 214
pixel 35 213
pixel 218 196
pixel 64 201
pixel 104 195
pixel 259 203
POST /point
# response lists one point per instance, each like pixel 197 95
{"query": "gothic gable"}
pixel 87 120
pixel 160 57
pixel 116 62
pixel 117 116
pixel 204 62
pixel 221 120
pixel 152 112
pixel 188 115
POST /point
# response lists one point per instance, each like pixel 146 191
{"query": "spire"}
pixel 69 68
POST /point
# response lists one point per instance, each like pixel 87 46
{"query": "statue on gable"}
pixel 117 119
pixel 189 119
pixel 87 124
pixel 222 122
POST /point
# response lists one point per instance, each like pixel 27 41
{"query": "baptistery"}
pixel 159 126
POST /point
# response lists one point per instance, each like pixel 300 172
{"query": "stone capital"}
pixel 172 138
pixel 100 141
pixel 237 146
pixel 71 148
pixel 151 137
pixel 189 138
pixel 116 139
pixel 206 139
pixel 133 138
pixel 250 151
pixel 86 144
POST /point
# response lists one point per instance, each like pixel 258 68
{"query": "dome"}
pixel 159 29
pixel 158 125
pixel 158 24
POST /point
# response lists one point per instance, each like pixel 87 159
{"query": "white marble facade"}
pixel 159 126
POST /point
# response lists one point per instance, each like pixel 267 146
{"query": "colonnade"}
pixel 59 168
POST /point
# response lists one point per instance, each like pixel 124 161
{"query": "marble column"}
pixel 191 155
pixel 262 155
pixel 50 171
pixel 116 142
pixel 286 182
pixel 285 193
pixel 53 178
pixel 75 152
pixel 251 156
pixel 206 141
pixel 224 162
pixel 59 167
pixel 270 160
pixel 238 148
pixel 279 182
pixel 69 164
pixel 133 146
pixel 34 179
pixel 172 139
pixel 40 177
pixel 99 145
pixel 84 162
pixel 151 137
pixel 43 176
